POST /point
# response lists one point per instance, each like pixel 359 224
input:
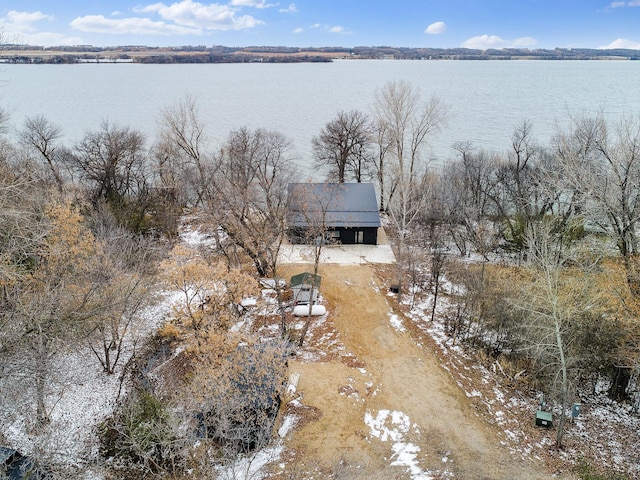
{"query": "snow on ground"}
pixel 396 323
pixel 396 426
pixel 606 433
pixel 251 467
pixel 288 424
pixel 84 397
pixel 338 254
pixel 194 237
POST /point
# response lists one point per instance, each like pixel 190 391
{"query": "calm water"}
pixel 486 99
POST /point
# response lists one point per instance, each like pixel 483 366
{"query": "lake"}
pixel 486 99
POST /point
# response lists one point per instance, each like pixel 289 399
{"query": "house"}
pixel 305 287
pixel 345 213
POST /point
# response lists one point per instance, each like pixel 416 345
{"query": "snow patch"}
pixel 396 323
pixel 395 426
pixel 288 423
pixel 84 395
pixel 338 254
pixel 406 456
pixel 250 467
pixel 195 238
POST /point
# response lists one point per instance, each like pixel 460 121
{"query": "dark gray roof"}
pixel 306 278
pixel 334 204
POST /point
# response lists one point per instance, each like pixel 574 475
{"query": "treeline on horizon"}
pixel 281 54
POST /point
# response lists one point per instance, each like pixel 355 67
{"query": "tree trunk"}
pixel 107 358
pixel 619 383
pixel 435 300
pixel 42 418
pixel 303 334
pixel 381 183
pixel 564 382
pixel 316 267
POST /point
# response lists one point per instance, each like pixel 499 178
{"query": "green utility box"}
pixel 575 410
pixel 544 419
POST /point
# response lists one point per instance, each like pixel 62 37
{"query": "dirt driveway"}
pixel 385 408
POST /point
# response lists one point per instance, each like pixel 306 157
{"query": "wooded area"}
pixel 530 255
pixel 273 54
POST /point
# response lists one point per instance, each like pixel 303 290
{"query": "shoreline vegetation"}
pixel 28 54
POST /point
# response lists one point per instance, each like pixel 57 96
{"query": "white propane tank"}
pixel 303 310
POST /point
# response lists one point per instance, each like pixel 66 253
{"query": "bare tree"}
pixel 19 213
pixel 492 199
pixel 383 143
pixel 602 165
pixel 23 228
pixel 465 192
pixel 42 136
pixel 552 307
pixel 118 295
pixel 437 271
pixel 251 193
pixel 47 308
pixel 22 223
pixel 112 160
pixel 407 122
pixel 600 168
pixel 170 186
pixel 113 163
pixel 516 196
pixel 4 115
pixel 183 147
pixel 344 146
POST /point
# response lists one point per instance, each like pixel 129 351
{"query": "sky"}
pixel 323 23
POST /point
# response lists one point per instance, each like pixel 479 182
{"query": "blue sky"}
pixel 409 23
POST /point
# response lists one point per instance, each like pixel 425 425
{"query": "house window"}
pixel 332 236
pixel 359 236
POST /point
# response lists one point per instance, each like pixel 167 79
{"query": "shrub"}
pixel 141 435
pixel 585 471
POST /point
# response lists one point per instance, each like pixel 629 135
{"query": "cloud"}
pixel 290 9
pixel 630 3
pixel 436 28
pixel 483 42
pixel 52 39
pixel 188 13
pixel 253 3
pixel 132 25
pixel 298 30
pixel 23 21
pixel 622 43
pixel 20 27
pixel 332 28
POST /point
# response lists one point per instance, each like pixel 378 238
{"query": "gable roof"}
pixel 333 205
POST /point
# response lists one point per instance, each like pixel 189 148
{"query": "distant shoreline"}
pixel 24 54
